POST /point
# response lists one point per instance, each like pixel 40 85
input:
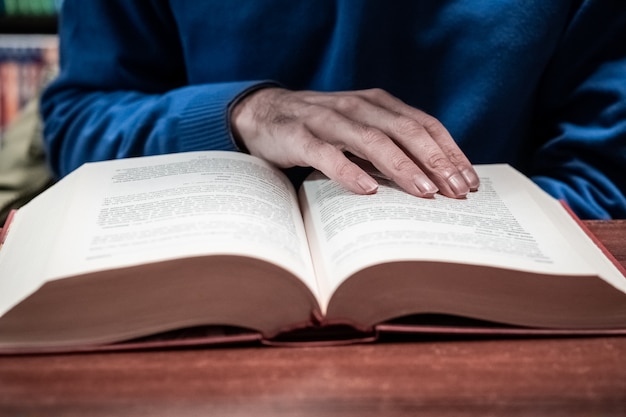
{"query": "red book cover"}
pixel 593 237
pixel 5 230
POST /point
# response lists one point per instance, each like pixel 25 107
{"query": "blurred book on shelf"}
pixel 29 16
pixel 28 53
pixel 29 7
pixel 27 63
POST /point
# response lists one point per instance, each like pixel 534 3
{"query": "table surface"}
pixel 583 376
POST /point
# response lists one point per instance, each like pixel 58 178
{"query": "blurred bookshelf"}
pixel 28 52
pixel 27 64
pixel 29 16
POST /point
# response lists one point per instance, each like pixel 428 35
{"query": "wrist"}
pixel 242 111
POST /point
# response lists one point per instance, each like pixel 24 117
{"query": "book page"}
pixel 500 225
pixel 133 211
pixel 25 255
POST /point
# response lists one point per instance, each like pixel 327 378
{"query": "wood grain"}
pixel 515 377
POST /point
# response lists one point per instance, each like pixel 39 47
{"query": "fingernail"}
pixel 425 186
pixel 458 185
pixel 471 179
pixel 367 184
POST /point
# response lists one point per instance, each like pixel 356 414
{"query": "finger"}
pixel 305 149
pixel 428 153
pixel 399 146
pixel 435 129
pixel 373 145
pixel 436 152
pixel 335 165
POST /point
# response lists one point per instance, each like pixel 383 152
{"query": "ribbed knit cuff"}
pixel 205 122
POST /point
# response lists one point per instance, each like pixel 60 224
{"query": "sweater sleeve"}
pixel 123 91
pixel 581 114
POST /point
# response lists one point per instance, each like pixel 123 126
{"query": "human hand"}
pixel 306 128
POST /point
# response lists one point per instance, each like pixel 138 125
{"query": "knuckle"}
pixel 314 149
pixel 348 103
pixel 408 127
pixel 433 126
pixel 456 157
pixel 376 92
pixel 438 161
pixel 321 115
pixel 401 163
pixel 299 131
pixel 371 136
pixel 343 168
pixel 441 165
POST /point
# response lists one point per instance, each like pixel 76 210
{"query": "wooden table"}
pixel 523 377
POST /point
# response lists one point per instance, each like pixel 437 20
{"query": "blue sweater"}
pixel 538 84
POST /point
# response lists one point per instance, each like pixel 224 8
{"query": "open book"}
pixel 128 248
